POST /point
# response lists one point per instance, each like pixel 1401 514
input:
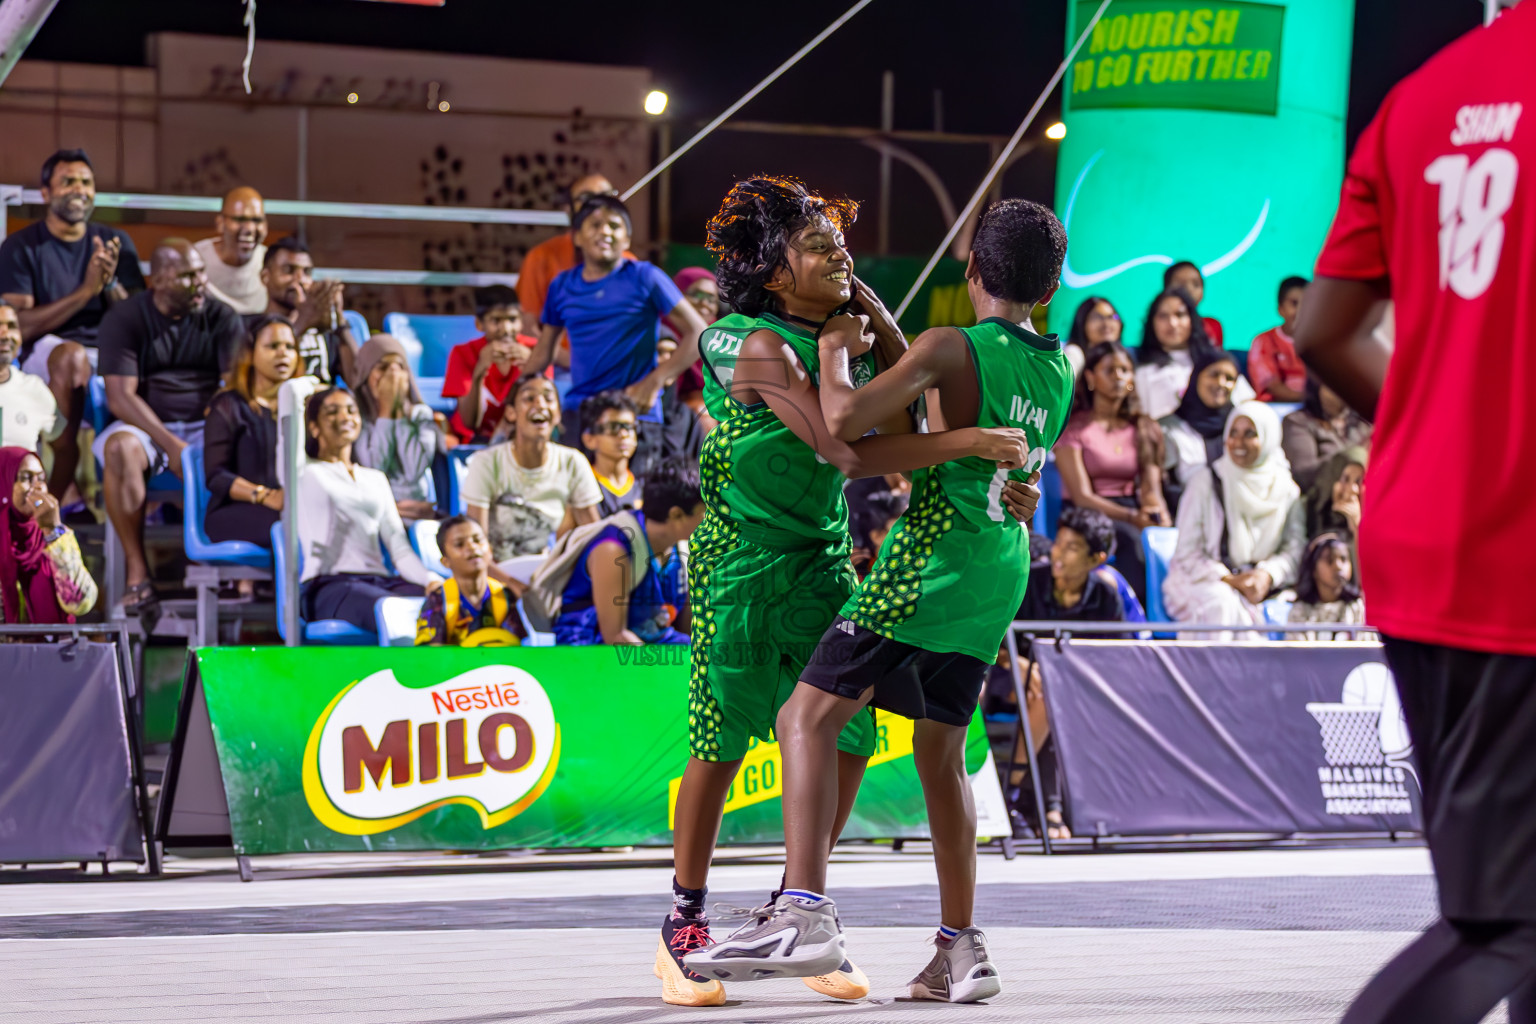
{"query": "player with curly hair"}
pixel 918 636
pixel 769 565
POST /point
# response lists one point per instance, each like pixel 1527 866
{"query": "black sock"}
pixel 687 902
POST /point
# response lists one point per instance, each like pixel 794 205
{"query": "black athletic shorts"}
pixel 908 681
pixel 1472 719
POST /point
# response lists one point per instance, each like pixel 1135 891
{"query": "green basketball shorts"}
pixel 758 614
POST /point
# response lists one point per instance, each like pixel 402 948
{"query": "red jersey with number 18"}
pixel 1438 199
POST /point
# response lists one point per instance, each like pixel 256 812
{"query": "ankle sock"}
pixel 804 896
pixel 947 933
pixel 687 902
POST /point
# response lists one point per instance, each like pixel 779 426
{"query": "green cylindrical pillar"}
pixel 1207 131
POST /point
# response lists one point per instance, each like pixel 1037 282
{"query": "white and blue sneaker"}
pixel 789 938
pixel 959 972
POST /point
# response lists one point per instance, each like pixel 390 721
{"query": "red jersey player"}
pixel 1439 214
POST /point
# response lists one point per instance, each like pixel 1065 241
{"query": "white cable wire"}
pixel 250 43
pixel 1001 162
pixel 759 87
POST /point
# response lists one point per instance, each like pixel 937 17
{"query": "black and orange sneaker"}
pixel 680 986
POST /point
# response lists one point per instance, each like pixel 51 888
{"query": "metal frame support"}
pixel 19 22
pixel 1020 694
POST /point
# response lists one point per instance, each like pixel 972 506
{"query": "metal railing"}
pixel 20 195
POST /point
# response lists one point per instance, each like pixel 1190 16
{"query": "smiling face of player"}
pixel 817 275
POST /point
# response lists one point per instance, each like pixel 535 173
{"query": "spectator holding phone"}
pixel 481 371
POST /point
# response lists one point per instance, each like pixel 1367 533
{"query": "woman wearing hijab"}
pixel 399 436
pixel 1196 431
pixel 1333 501
pixel 42 576
pixel 1241 528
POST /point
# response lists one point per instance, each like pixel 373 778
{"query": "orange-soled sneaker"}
pixel 847 982
pixel 679 985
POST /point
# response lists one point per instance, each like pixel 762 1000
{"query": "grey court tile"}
pixel 602 976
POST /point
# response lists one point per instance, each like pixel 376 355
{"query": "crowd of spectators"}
pixel 577 402
pixel 1247 455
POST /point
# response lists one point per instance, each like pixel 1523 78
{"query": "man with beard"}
pixel 62 274
pixel 162 353
pixel 327 349
pixel 234 256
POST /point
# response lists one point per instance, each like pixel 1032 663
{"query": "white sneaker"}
pixel 788 939
pixel 959 971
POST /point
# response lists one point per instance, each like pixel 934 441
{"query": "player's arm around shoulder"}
pixel 768 371
pixel 851 413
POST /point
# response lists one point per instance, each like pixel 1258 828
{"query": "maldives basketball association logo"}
pixel 1366 745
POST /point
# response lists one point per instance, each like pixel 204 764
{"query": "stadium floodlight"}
pixel 443 107
pixel 1057 131
pixel 655 102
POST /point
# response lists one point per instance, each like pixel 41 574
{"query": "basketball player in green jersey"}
pixel 918 636
pixel 769 565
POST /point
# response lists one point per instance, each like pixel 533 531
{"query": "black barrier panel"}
pixel 66 765
pixel 1182 738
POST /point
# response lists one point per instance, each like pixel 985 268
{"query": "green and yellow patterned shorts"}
pixel 758 613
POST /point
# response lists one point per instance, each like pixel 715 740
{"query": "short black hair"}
pixel 598 204
pixel 749 235
pixel 312 416
pixel 1306 574
pixel 451 522
pixel 288 244
pixel 1091 525
pixel 1174 268
pixel 64 156
pixel 593 407
pixel 674 483
pixel 1019 248
pixel 1288 284
pixel 495 296
pixel 878 509
pixel 1152 352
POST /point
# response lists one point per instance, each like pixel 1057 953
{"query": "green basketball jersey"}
pixel 753 470
pixel 951 573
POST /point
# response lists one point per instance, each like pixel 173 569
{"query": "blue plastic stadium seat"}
pixel 195 496
pixel 1050 500
pixel 1284 409
pixel 435 334
pixel 332 632
pixel 431 389
pixel 423 533
pixel 96 403
pixel 396 618
pixel 1277 611
pixel 1158 544
pixel 458 462
pixel 359 325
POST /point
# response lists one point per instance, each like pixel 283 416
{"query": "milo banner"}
pixel 1201 130
pixel 445 748
pixel 1182 738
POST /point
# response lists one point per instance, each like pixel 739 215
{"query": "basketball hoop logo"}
pixel 1366 744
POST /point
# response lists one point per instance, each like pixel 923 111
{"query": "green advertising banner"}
pixel 1180 53
pixel 1210 132
pixel 341 749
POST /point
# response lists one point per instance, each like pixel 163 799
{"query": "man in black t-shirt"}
pixel 62 274
pixel 326 347
pixel 162 353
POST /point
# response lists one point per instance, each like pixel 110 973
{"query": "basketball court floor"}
pixel 1153 938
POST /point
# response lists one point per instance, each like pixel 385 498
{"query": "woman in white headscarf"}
pixel 1242 528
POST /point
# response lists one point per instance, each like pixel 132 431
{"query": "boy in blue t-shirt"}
pixel 611 309
pixel 601 603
